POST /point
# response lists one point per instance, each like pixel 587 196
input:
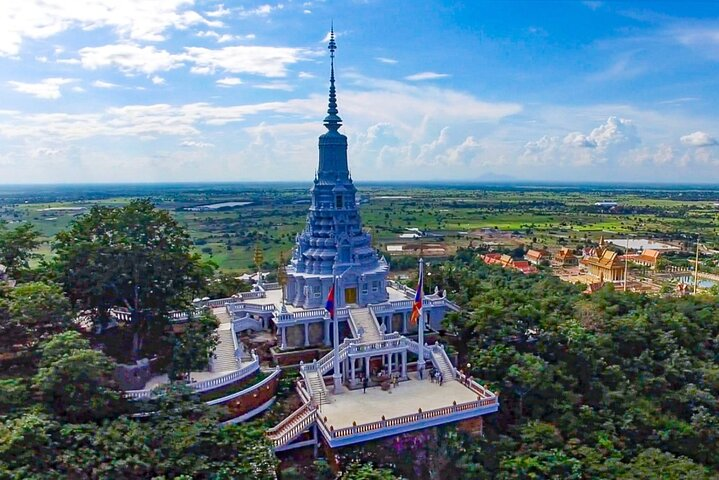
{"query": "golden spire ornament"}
pixel 282 276
pixel 259 259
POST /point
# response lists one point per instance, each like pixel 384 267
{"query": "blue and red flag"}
pixel 330 305
pixel 417 307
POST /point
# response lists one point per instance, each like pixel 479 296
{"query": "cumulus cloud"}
pixel 48 88
pixel 129 58
pixel 699 139
pixel 418 77
pixel 130 19
pixel 157 80
pixel 607 142
pixel 255 60
pixel 220 11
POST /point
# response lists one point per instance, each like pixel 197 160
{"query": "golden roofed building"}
pixel 565 256
pixel 648 258
pixel 604 264
pixel 535 256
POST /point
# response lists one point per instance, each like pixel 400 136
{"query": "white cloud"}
pixel 260 11
pixel 220 11
pixel 195 144
pixel 390 61
pixel 48 88
pixel 699 139
pixel 256 60
pixel 305 75
pixel 229 81
pixel 611 141
pixel 157 80
pixel 102 84
pixel 129 58
pixel 275 86
pixel 130 19
pixel 425 76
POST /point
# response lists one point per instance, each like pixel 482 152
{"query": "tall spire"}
pixel 332 120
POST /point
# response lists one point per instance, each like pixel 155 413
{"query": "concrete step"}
pixel 363 320
pixel 224 354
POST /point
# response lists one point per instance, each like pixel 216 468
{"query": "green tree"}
pixel 135 257
pixel 367 471
pixel 31 312
pixel 17 247
pixel 76 383
pixel 193 347
pixel 223 285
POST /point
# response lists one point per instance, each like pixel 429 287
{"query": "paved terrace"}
pixel 407 398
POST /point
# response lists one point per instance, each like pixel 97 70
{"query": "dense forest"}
pixel 612 385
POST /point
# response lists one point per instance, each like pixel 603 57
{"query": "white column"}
pixel 352 362
pixel 366 367
pixel 327 333
pixel 307 334
pixel 404 363
pixel 389 363
pixel 283 345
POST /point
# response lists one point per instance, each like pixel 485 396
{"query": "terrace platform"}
pixel 406 399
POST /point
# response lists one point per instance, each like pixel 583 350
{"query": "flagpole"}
pixel 337 376
pixel 420 321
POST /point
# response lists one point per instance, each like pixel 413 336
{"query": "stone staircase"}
pixel 442 363
pixel 364 322
pixel 224 355
pixel 317 388
pixel 292 426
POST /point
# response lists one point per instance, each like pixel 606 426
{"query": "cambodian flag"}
pixel 330 305
pixel 417 307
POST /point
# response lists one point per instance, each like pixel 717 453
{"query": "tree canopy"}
pixel 17 247
pixel 135 257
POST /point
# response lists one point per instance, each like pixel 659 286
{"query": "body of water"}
pixel 217 206
pixel 702 283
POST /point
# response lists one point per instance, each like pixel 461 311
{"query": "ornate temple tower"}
pixel 333 243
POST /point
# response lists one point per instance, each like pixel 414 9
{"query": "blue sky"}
pixel 183 90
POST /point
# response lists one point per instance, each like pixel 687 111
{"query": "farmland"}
pixel 541 215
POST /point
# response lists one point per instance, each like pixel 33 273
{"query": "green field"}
pixel 547 216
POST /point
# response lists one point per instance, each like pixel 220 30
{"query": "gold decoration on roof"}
pixel 282 271
pixel 259 256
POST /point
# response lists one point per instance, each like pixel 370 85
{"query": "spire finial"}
pixel 332 120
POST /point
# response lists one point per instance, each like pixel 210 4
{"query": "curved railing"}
pixel 247 390
pixel 205 385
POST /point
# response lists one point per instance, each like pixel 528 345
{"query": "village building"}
pixel 648 258
pixel 506 261
pixel 565 257
pixel 604 264
pixel 535 257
